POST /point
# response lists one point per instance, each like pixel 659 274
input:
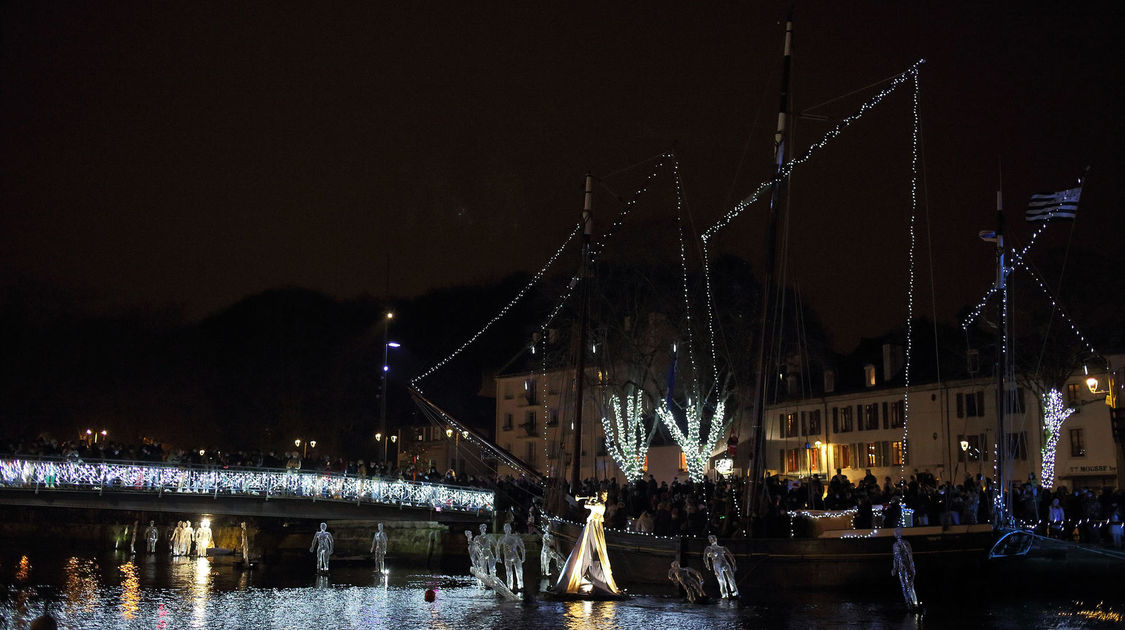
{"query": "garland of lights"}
pixel 1054 415
pixel 910 282
pixel 696 453
pixel 824 141
pixel 112 476
pixel 503 311
pixel 626 439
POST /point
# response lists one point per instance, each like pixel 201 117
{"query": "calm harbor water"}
pixel 154 591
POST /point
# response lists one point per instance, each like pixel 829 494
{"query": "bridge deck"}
pixel 245 491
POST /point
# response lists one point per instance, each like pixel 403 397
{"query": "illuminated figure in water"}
pixel 720 560
pixel 203 538
pixel 514 553
pixel 488 550
pixel 186 537
pixel 486 554
pixel 904 569
pixel 151 535
pixel 379 548
pixel 549 554
pixel 174 538
pixel 323 545
pixel 474 556
pixel 587 569
pixel 690 579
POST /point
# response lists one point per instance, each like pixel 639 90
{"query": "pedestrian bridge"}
pixel 261 492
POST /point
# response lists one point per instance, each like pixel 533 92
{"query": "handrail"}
pixel 161 477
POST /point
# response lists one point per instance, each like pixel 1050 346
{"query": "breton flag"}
pixel 1054 206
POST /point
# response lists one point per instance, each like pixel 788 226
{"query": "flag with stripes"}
pixel 1054 206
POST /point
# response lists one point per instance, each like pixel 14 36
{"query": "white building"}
pixel 535 422
pixel 870 429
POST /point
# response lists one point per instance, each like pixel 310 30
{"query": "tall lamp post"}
pixel 383 390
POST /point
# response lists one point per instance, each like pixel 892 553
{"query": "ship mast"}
pixel 585 271
pixel 1003 369
pixel 768 285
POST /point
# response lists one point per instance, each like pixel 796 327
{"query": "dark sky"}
pixel 192 153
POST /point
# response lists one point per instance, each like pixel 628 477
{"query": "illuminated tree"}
pixel 1054 415
pixel 696 452
pixel 626 438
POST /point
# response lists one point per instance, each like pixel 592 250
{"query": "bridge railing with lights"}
pixel 267 483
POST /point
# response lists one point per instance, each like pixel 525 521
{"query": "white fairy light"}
pixel 912 265
pixel 1054 415
pixel 626 439
pixel 827 138
pixel 696 452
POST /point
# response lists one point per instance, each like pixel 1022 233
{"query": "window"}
pixel 896 454
pixel 531 391
pixel 683 462
pixel 841 455
pixel 507 422
pixel 529 421
pixel 814 422
pixel 1073 391
pixel 1017 445
pixel 553 418
pixel 814 458
pixel 872 454
pixel 804 424
pixel 869 375
pixel 871 417
pixel 531 453
pixel 791 460
pixel 1077 443
pixel 508 391
pixel 970 405
pixel 898 414
pixel 973 453
pixel 845 415
pixel 788 425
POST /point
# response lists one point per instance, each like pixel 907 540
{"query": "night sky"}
pixel 192 153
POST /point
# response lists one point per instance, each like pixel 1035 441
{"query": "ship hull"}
pixel 641 561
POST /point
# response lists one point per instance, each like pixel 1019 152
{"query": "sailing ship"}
pixel 826 550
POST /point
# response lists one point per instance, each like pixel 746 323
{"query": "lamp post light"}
pixel 387 344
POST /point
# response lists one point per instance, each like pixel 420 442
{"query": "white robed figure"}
pixel 186 536
pixel 587 569
pixel 203 538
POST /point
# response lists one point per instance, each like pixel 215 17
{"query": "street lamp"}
pixel 387 344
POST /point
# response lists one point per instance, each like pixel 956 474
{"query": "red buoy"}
pixel 431 595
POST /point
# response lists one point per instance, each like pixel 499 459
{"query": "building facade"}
pixel 950 432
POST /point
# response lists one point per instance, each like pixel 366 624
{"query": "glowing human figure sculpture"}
pixel 690 579
pixel 549 554
pixel 904 569
pixel 720 560
pixel 323 546
pixel 203 538
pixel 245 546
pixel 587 569
pixel 514 553
pixel 474 556
pixel 379 549
pixel 488 550
pixel 151 535
pixel 174 538
pixel 186 537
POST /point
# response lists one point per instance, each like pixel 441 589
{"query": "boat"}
pixel 823 548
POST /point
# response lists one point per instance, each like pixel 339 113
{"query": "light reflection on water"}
pixel 170 593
